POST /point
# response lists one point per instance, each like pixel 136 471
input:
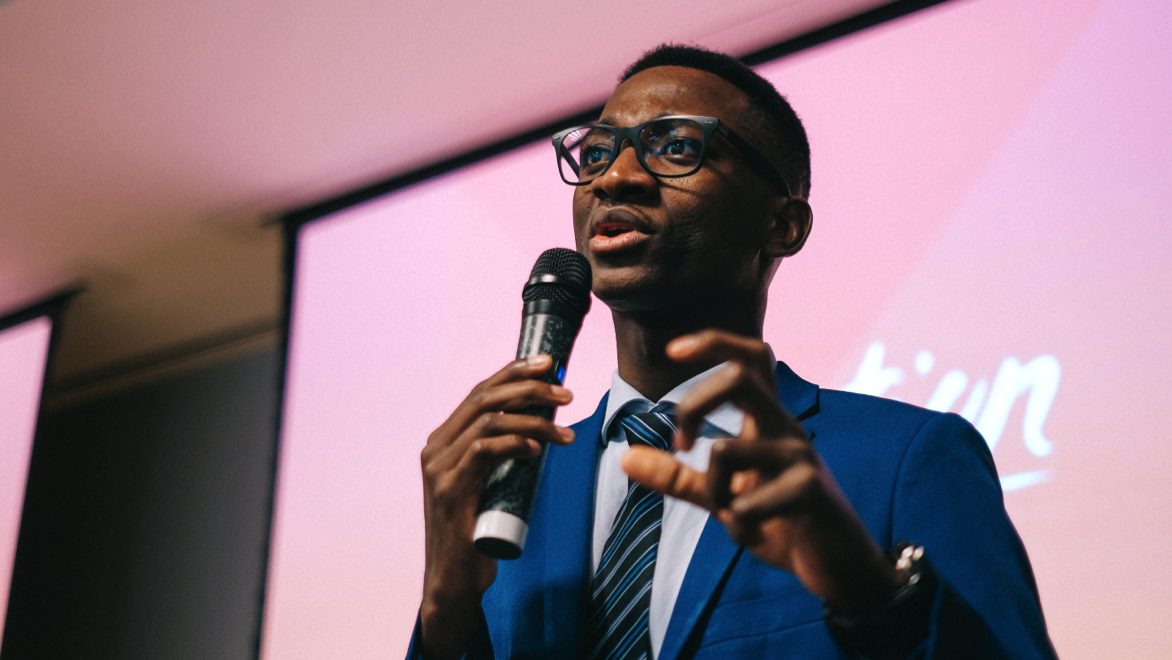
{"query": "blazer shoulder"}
pixel 866 416
pixel 863 437
pixel 852 403
pixel 813 404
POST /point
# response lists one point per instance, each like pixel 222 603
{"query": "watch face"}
pixel 908 557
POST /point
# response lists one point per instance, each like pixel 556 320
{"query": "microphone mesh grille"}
pixel 573 279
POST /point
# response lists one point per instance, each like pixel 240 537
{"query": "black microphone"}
pixel 556 297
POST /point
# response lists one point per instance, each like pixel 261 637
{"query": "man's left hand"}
pixel 768 486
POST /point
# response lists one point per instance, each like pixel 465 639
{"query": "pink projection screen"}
pixel 24 348
pixel 991 192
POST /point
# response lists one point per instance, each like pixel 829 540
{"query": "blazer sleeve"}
pixel 480 649
pixel 948 499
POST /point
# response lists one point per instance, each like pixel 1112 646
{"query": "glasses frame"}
pixel 708 125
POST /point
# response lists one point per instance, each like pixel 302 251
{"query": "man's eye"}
pixel 679 148
pixel 594 154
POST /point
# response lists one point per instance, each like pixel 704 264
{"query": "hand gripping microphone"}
pixel 556 297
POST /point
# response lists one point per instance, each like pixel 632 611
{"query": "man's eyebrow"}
pixel 610 121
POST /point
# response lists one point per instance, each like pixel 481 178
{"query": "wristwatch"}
pixel 895 628
pixel 909 561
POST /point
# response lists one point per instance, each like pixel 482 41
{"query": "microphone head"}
pixel 562 277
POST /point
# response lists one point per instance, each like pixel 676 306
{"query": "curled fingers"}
pixel 662 472
pixel 741 386
pixel 495 436
pixel 721 346
pixel 768 459
pixel 513 386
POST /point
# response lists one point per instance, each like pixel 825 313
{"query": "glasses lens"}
pixel 672 147
pixel 588 150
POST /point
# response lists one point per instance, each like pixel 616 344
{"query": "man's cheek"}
pixel 581 240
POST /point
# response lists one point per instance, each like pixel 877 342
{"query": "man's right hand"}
pixel 458 458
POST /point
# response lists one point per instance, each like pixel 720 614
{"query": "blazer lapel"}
pixel 569 476
pixel 716 554
pixel 798 396
pixel 714 557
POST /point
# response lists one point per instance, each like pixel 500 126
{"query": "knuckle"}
pixel 479 388
pixel 446 489
pixel 720 448
pixel 760 352
pixel 430 472
pixel 721 458
pixel 806 481
pixel 487 422
pixel 480 397
pixel 686 410
pixel 800 451
pixel 737 371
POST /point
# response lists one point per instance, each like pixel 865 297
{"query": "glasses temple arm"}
pixel 756 160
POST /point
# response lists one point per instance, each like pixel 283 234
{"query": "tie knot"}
pixel 654 427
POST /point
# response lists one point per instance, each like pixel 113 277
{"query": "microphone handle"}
pixel 502 522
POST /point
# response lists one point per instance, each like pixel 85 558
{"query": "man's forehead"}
pixel 668 90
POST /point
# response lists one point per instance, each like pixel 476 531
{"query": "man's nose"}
pixel 626 176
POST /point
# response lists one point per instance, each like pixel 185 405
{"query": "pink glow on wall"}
pixel 23 351
pixel 990 195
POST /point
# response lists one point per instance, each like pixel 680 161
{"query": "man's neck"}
pixel 642 337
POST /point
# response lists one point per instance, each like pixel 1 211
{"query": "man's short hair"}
pixel 770 113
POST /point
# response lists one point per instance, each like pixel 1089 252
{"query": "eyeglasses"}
pixel 666 147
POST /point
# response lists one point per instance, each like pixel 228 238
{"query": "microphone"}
pixel 556 297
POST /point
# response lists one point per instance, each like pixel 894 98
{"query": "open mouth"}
pixel 616 238
pixel 618 230
pixel 612 228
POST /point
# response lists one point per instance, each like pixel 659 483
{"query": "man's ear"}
pixel 792 220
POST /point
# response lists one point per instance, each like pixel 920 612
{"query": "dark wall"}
pixel 146 519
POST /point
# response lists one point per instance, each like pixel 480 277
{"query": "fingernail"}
pixel 566 433
pixel 537 360
pixel 561 393
pixel 682 344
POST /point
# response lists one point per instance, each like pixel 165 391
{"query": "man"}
pixel 781 497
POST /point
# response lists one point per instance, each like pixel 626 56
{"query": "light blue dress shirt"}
pixel 682 521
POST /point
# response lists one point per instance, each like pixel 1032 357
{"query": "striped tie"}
pixel 620 598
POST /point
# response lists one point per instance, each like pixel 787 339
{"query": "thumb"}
pixel 661 472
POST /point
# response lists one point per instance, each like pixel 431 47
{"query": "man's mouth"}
pixel 618 231
pixel 612 228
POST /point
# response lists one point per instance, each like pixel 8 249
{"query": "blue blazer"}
pixel 911 474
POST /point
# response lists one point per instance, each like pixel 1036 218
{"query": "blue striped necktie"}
pixel 620 598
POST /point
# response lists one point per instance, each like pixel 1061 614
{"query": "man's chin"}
pixel 620 298
pixel 631 294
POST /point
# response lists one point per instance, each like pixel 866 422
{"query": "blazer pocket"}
pixel 787 606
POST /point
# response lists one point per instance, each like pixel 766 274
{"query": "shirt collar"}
pixel 724 421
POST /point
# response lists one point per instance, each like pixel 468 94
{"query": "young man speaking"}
pixel 716 504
